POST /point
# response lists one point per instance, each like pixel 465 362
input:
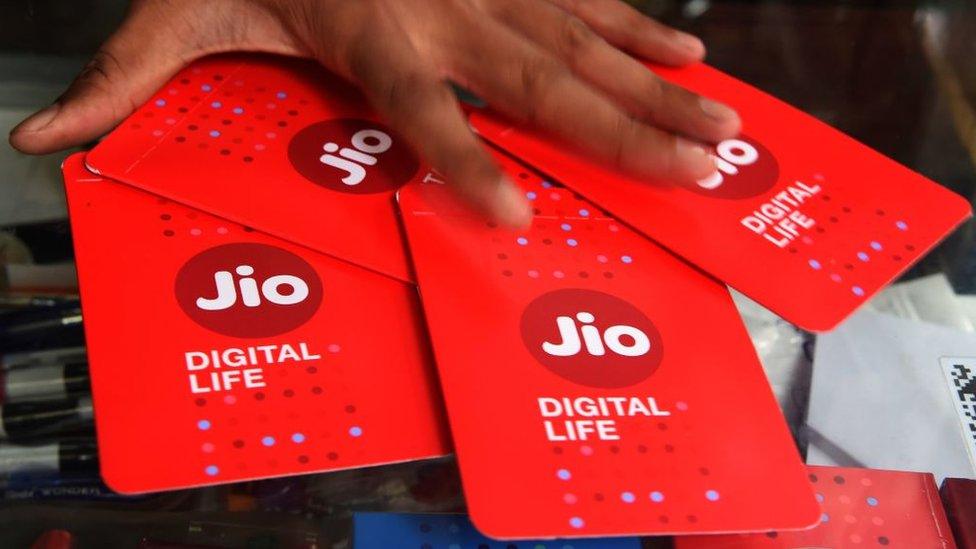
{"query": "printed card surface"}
pixel 595 384
pixel 860 508
pixel 801 218
pixel 448 531
pixel 960 372
pixel 218 353
pixel 276 144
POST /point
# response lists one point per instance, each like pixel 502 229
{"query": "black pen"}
pixel 46 418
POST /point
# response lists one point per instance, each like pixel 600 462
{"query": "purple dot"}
pixel 206 87
pixel 872 501
pixel 298 438
pixel 627 497
pixel 215 104
pixel 902 226
pixel 711 495
pixel 160 102
pixel 355 431
pixel 211 470
pixel 531 195
pixel 657 497
pixel 626 259
pixel 876 246
pixel 863 256
pixel 824 517
pixel 281 95
pixel 563 474
pixel 858 291
pixel 814 264
pixel 203 425
pixel 546 185
pixel 268 441
pixel 238 110
pixel 214 133
pixel 576 522
pixel 584 212
pixel 820 497
pixel 566 227
pixel 571 242
pixel 522 241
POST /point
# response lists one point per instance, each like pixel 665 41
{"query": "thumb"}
pixel 124 73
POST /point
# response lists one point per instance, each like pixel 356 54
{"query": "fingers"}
pixel 628 29
pixel 424 110
pixel 536 89
pixel 125 72
pixel 619 76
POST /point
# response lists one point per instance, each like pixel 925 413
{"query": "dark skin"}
pixel 545 63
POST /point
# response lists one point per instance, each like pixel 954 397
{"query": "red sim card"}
pixel 595 384
pixel 861 508
pixel 801 218
pixel 276 144
pixel 220 354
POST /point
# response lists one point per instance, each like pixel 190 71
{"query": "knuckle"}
pixel 624 132
pixel 100 68
pixel 666 158
pixel 539 81
pixel 634 28
pixel 407 88
pixel 577 39
pixel 411 89
pixel 653 96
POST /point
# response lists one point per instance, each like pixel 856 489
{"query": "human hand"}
pixel 556 65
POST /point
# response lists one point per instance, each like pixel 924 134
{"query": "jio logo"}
pixel 745 169
pixel 591 338
pixel 248 290
pixel 352 156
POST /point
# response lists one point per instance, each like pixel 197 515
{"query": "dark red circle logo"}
pixel 352 156
pixel 745 169
pixel 248 290
pixel 591 338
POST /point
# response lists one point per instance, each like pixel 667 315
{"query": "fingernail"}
pixel 39 120
pixel 511 206
pixel 694 158
pixel 691 43
pixel 717 111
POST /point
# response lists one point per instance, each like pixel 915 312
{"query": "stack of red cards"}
pixel 247 253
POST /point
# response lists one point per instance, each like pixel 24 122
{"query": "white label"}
pixel 960 373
